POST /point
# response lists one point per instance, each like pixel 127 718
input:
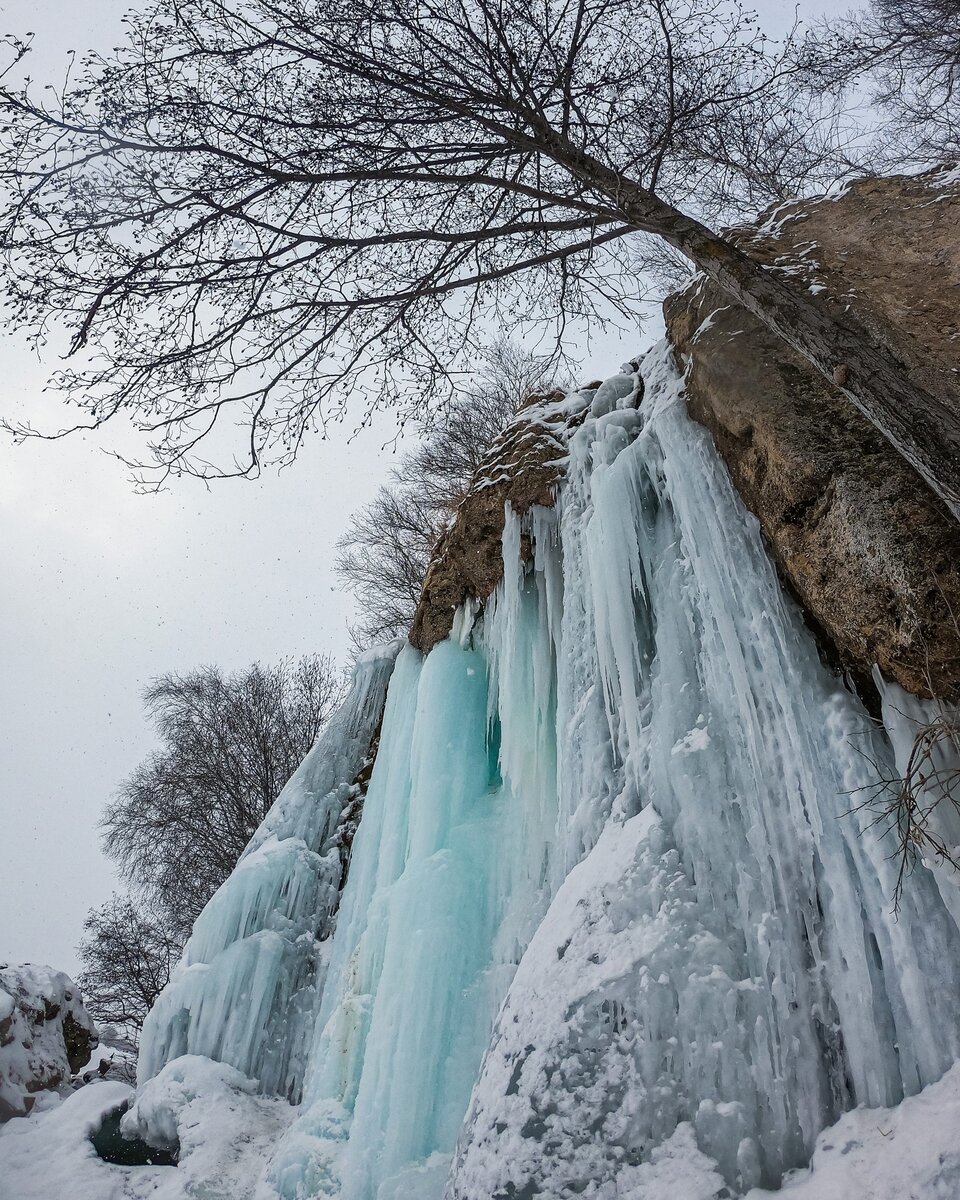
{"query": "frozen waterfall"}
pixel 245 990
pixel 610 898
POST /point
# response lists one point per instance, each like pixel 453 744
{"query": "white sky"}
pixel 101 589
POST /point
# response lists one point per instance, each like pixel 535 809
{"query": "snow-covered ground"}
pixel 225 1130
pixel 910 1152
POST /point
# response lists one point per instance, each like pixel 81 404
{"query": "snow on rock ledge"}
pixel 224 1131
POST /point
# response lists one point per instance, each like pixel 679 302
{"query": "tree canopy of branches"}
pixel 181 820
pixel 259 207
pixel 385 551
pixel 179 823
pixel 128 952
pixel 909 56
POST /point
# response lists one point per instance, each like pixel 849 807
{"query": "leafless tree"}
pixel 259 207
pixel 908 56
pixel 454 439
pixel 229 743
pixel 383 557
pixel 386 549
pixel 127 952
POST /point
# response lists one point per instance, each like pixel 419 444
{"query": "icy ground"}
pixel 225 1129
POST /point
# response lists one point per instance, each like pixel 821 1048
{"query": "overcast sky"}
pixel 101 589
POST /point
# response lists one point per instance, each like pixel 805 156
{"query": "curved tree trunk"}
pixel 920 426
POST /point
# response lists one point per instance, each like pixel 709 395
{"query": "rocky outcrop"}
pixel 522 467
pixel 46 1034
pixel 871 554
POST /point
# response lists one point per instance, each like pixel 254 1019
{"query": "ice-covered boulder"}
pixel 45 1034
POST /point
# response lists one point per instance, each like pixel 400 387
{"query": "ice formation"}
pixel 752 978
pixel 245 990
pixel 613 925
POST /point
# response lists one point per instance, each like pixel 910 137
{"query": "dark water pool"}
pixel 112 1147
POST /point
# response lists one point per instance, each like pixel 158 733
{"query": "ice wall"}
pixel 729 957
pixel 613 924
pixel 450 875
pixel 246 988
pixel 722 975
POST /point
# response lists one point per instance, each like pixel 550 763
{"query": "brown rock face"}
pixel 872 555
pixel 522 467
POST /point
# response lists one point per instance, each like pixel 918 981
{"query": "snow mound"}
pixel 225 1132
pixel 909 1152
pixel 49 1155
pixel 223 1127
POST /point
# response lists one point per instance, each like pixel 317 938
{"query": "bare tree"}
pixel 229 743
pixel 908 55
pixel 127 952
pixel 386 549
pixel 383 557
pixel 259 207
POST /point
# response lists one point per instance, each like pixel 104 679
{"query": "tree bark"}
pixel 920 426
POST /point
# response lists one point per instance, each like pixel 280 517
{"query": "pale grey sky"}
pixel 101 589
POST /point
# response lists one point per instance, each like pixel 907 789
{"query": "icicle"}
pixel 449 879
pixel 733 962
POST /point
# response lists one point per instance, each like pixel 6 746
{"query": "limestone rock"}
pixel 871 554
pixel 522 466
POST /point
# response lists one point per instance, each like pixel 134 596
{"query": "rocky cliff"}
pixel 522 467
pixel 871 554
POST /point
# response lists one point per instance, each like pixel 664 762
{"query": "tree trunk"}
pixel 921 427
pixel 918 424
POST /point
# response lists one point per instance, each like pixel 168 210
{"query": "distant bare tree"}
pixel 229 743
pixel 127 953
pixel 256 208
pixel 383 557
pixel 386 549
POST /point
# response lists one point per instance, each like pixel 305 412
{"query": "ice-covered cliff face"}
pixel 611 926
